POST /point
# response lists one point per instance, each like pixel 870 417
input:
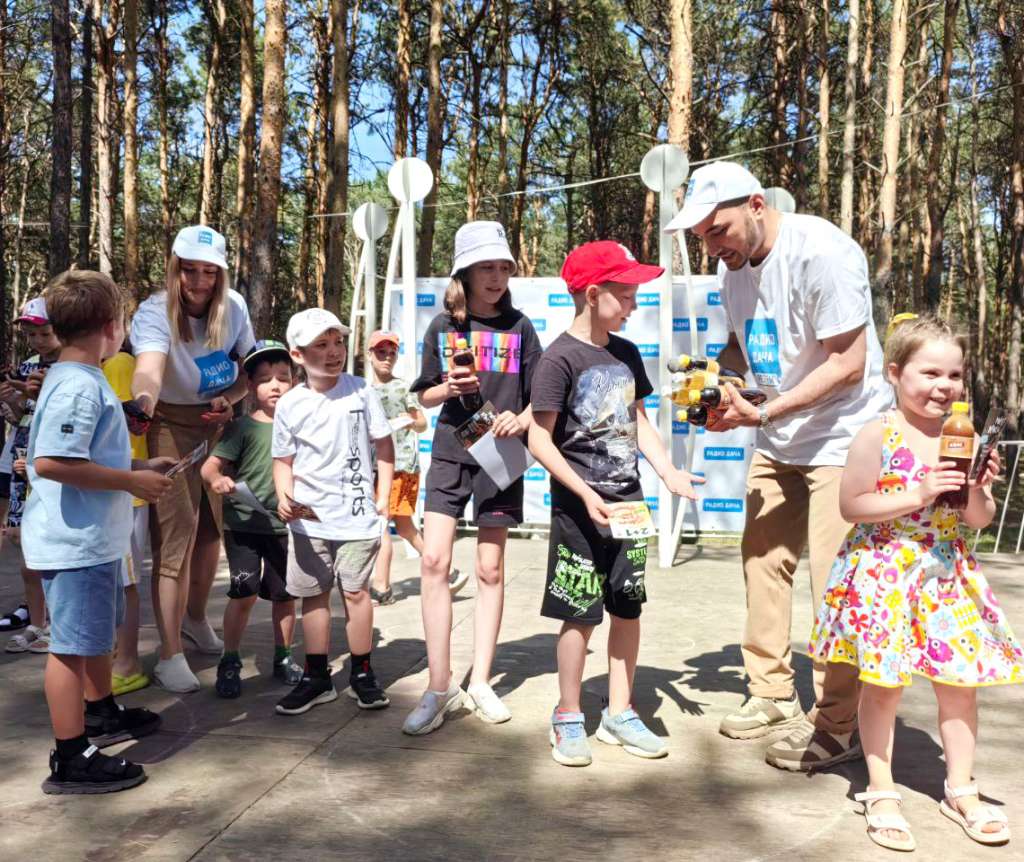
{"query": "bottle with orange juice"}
pixel 957 445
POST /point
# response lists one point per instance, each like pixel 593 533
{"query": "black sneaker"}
pixel 288 671
pixel 382 598
pixel 91 772
pixel 312 690
pixel 229 677
pixel 366 691
pixel 132 723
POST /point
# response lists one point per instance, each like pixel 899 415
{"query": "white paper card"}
pixel 504 459
pixel 400 422
pixel 244 495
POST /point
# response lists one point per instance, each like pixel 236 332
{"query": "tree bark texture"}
pixel 216 17
pixel 131 147
pixel 59 243
pixel 245 189
pixel 435 138
pixel 85 143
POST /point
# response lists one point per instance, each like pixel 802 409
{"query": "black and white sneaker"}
pixel 133 723
pixel 313 690
pixel 288 671
pixel 229 677
pixel 91 772
pixel 367 691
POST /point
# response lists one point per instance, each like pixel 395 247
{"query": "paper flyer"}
pixel 191 458
pixel 631 520
pixel 243 494
pixel 504 459
pixel 400 422
pixel 470 431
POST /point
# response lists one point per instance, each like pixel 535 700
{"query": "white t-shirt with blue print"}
pixel 194 373
pixel 813 285
pixel 65 527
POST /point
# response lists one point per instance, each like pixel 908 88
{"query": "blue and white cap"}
pixel 201 242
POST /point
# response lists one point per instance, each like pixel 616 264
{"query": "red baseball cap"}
pixel 605 260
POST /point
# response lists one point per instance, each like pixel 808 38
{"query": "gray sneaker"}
pixel 628 730
pixel 432 710
pixel 807 749
pixel 457 580
pixel 760 716
pixel 568 739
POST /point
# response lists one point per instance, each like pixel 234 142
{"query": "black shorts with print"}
pixel 258 564
pixel 589 572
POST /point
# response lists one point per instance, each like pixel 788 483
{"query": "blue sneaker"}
pixel 568 739
pixel 627 729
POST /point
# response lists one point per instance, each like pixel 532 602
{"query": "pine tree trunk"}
pixel 501 13
pixel 435 132
pixel 473 156
pixel 131 150
pixel 890 154
pixel 308 233
pixel 106 115
pixel 850 119
pixel 917 203
pixel 868 135
pixel 85 142
pixel 337 174
pixel 160 73
pixel 244 191
pixel 268 181
pixel 782 174
pixel 681 70
pixel 59 240
pixel 824 108
pixel 216 18
pixel 5 154
pixel 403 71
pixel 324 35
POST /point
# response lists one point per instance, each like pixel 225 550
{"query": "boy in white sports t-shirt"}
pixel 323 474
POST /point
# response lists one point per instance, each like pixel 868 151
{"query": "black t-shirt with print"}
pixel 506 350
pixel 594 391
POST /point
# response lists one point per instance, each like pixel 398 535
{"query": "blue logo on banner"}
pixel 547 500
pixel 647 299
pixel 205 237
pixel 652 503
pixel 540 324
pixel 680 427
pixel 713 348
pixel 714 297
pixel 651 402
pixel 216 372
pixel 762 337
pixel 535 474
pixel 648 351
pixel 722 505
pixel 723 453
pixel 433 421
pixel 682 324
pixel 425 446
pixel 559 299
pixel 423 300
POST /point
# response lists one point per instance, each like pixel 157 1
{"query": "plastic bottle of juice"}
pixel 716 396
pixel 463 357
pixel 957 444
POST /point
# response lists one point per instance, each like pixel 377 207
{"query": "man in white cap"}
pixel 796 293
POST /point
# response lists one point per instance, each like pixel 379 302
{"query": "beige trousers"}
pixel 790 508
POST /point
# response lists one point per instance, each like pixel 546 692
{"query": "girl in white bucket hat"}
pixel 505 348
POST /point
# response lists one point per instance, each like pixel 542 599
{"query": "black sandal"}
pixel 15 620
pixel 91 772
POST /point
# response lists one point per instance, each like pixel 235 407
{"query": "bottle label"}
pixel 956 447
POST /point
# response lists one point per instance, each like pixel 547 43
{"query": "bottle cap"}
pixel 961 407
pixel 681 416
pixel 461 343
pixel 693 396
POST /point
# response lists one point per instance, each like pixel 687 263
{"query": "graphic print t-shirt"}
pixel 594 391
pixel 506 350
pixel 195 373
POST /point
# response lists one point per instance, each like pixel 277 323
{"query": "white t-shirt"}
pixel 328 434
pixel 812 285
pixel 194 373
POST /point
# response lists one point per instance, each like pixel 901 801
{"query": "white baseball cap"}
pixel 306 326
pixel 710 186
pixel 480 240
pixel 33 312
pixel 200 242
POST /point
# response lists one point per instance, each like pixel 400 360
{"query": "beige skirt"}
pixel 176 430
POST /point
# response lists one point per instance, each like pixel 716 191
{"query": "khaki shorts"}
pixel 176 430
pixel 314 565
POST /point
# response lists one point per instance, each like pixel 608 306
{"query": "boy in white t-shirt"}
pixel 323 474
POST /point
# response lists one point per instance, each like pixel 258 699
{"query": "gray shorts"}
pixel 314 565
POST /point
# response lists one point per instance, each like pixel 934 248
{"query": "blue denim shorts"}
pixel 86 606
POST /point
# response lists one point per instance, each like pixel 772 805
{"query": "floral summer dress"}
pixel 906 596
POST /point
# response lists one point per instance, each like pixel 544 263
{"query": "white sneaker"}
pixel 487 704
pixel 202 635
pixel 174 674
pixel 23 640
pixel 432 709
pixel 41 645
pixel 457 580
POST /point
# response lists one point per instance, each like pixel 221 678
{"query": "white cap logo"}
pixel 626 252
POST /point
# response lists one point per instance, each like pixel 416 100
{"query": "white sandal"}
pixel 879 823
pixel 980 816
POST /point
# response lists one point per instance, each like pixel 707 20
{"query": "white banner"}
pixel 723 458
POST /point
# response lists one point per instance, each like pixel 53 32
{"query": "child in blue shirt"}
pixel 77 530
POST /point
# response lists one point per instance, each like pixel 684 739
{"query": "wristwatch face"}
pixel 763 413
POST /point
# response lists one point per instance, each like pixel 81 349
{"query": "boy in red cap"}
pixel 588 424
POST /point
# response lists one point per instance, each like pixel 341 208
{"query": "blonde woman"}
pixel 188 341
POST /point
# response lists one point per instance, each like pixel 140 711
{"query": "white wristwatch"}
pixel 764 420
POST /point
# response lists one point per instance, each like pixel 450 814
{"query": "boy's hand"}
pixel 8 392
pixel 223 485
pixel 284 510
pixel 148 485
pixel 383 505
pixel 507 425
pixel 681 483
pixel 160 464
pixel 991 472
pixel 20 467
pixel 597 509
pixel 938 480
pixel 34 382
pixel 219 412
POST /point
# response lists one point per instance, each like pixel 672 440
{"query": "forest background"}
pixel 900 120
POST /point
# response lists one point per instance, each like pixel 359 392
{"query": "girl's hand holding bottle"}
pixel 941 478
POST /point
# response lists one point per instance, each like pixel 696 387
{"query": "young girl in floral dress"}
pixel 905 595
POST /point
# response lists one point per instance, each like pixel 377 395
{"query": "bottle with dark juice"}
pixel 716 396
pixel 957 445
pixel 463 357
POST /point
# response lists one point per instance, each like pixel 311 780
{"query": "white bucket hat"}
pixel 203 243
pixel 710 186
pixel 480 240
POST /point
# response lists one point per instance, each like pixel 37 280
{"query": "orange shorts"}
pixel 405 489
